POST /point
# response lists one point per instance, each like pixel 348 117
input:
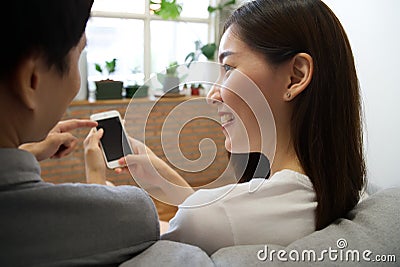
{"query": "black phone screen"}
pixel 114 141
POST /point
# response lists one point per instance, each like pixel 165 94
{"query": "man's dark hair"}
pixel 48 28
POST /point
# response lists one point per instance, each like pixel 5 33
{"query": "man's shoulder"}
pixel 97 200
pixel 97 191
pixel 78 222
pixel 122 198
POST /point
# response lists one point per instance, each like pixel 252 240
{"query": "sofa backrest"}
pixel 370 233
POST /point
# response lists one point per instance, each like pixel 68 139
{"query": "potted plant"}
pixel 207 50
pixel 171 79
pixel 195 89
pixel 136 91
pixel 208 70
pixel 108 88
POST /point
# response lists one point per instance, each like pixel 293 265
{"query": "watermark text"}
pixel 336 254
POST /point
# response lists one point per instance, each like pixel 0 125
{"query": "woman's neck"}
pixel 286 157
pixel 282 162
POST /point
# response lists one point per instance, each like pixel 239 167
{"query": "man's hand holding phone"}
pixel 104 146
pixel 114 142
pixel 94 162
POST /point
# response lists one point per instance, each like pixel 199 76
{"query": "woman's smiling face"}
pixel 247 85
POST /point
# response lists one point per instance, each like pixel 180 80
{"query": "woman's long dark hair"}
pixel 326 124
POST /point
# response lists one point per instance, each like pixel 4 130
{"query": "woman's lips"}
pixel 226 119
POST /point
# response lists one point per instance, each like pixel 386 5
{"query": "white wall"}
pixel 373 27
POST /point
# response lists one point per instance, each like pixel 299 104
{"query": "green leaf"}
pixel 171 70
pixel 98 68
pixel 212 9
pixel 208 51
pixel 111 65
pixel 169 10
pixel 190 56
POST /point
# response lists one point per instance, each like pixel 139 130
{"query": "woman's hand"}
pixel 94 161
pixel 148 169
pixel 59 142
pixel 143 164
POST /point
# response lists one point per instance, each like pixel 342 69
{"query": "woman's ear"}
pixel 301 71
pixel 26 82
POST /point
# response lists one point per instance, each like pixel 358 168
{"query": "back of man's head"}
pixel 48 28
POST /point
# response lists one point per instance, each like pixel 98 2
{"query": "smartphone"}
pixel 114 142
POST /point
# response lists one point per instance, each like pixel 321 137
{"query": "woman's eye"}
pixel 227 67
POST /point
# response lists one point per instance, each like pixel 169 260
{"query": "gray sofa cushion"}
pixel 169 253
pixel 374 225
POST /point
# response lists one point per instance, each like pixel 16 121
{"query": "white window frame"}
pixel 147 18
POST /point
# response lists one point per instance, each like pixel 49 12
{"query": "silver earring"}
pixel 288 95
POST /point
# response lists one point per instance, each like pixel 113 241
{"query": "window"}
pixel 172 41
pixel 122 39
pixel 141 42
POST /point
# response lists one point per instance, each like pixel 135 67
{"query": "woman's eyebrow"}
pixel 224 55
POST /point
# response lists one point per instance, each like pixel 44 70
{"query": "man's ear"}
pixel 301 71
pixel 26 82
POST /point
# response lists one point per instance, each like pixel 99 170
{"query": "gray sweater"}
pixel 43 224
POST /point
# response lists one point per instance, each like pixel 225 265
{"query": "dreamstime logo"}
pixel 341 243
pixel 340 253
pixel 246 117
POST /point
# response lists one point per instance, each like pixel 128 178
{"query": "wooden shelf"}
pixel 128 100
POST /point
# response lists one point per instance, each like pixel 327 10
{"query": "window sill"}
pixel 128 100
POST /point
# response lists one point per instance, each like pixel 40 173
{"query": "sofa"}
pixel 369 235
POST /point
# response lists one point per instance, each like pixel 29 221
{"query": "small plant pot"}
pixel 171 85
pixel 136 91
pixel 195 91
pixel 108 89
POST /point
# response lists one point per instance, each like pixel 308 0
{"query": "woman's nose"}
pixel 214 95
